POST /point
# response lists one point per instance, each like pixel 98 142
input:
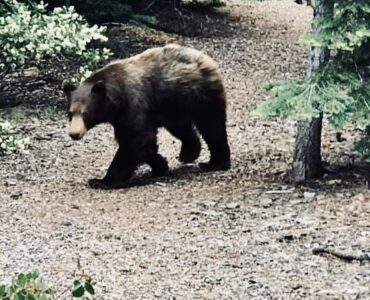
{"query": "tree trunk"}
pixel 307 162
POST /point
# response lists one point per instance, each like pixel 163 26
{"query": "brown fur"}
pixel 172 86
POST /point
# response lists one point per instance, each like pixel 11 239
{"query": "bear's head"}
pixel 88 106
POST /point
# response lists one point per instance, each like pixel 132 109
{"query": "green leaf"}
pixel 21 280
pixel 44 297
pixel 32 275
pixel 2 290
pixel 42 286
pixel 19 296
pixel 78 290
pixel 30 297
pixel 89 288
pixel 76 283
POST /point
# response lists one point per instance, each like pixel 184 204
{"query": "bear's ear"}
pixel 99 88
pixel 68 87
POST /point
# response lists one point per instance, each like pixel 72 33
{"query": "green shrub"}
pixel 28 32
pixel 26 287
pixel 8 144
pixel 30 286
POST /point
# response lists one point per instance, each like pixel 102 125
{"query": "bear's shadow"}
pixel 180 175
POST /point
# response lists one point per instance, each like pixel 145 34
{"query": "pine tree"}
pixel 307 149
pixel 337 85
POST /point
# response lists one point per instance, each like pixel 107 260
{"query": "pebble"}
pixel 309 195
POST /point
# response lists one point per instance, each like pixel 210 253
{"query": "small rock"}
pixel 309 195
pixel 286 238
pixel 232 205
pixel 66 223
pixel 16 196
pixel 10 182
pixel 266 202
pixel 31 72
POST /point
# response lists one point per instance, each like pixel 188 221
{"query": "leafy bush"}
pixel 26 287
pixel 30 286
pixel 29 32
pixel 8 143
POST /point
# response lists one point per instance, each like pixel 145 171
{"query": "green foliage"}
pixel 26 287
pixel 28 32
pixel 91 58
pixel 9 144
pixel 341 88
pixel 340 93
pixel 30 286
pixel 346 30
pixel 81 289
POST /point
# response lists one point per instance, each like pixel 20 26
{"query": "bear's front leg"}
pixel 119 172
pixel 156 161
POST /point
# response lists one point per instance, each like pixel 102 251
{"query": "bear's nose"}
pixel 75 136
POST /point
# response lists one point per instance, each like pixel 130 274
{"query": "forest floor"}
pixel 247 233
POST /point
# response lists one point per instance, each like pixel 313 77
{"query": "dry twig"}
pixel 343 256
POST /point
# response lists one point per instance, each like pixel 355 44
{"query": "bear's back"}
pixel 169 77
pixel 171 63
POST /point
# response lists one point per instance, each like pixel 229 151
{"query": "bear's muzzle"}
pixel 77 128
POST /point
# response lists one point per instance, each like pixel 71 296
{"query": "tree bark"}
pixel 307 162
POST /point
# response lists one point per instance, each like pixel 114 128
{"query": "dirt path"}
pixel 242 234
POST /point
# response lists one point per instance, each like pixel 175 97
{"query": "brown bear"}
pixel 175 87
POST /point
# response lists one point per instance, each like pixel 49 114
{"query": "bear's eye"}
pixel 85 115
pixel 70 115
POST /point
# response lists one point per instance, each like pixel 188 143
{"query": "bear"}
pixel 175 87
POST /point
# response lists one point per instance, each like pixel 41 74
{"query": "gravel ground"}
pixel 247 233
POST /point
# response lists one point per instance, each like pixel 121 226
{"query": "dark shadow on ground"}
pixel 344 177
pixel 178 176
pixel 336 179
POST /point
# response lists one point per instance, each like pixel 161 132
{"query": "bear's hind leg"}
pixel 190 143
pixel 212 126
